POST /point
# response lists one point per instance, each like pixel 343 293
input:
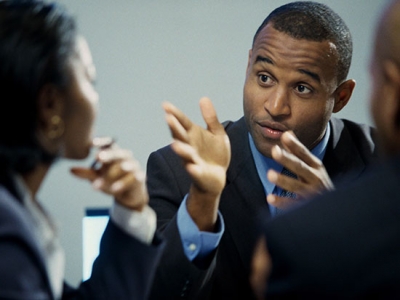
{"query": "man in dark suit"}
pixel 296 78
pixel 346 244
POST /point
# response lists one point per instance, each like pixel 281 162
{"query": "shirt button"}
pixel 192 247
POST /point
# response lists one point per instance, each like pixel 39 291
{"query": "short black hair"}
pixel 36 40
pixel 315 22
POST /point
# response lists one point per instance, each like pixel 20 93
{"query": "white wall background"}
pixel 148 51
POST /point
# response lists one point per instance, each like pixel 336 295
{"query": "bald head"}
pixel 385 74
pixel 387 37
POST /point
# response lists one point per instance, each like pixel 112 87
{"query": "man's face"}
pixel 289 85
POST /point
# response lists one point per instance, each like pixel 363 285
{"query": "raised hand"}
pixel 206 156
pixel 312 177
pixel 119 175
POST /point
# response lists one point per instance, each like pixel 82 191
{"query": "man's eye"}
pixel 265 78
pixel 303 89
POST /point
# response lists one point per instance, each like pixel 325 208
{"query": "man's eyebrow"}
pixel 263 59
pixel 313 75
pixel 267 60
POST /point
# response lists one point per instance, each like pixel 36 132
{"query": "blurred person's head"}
pixel 48 101
pixel 385 79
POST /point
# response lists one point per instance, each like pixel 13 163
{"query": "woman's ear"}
pixel 343 94
pixel 50 106
pixel 50 123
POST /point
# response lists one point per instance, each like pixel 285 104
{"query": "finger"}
pixel 285 182
pixel 169 108
pixel 303 190
pixel 186 152
pixel 286 159
pixel 103 142
pixel 293 163
pixel 281 156
pixel 178 132
pixel 116 171
pixel 111 174
pixel 210 116
pixel 281 202
pixel 131 190
pixel 110 155
pixel 84 173
pixel 123 184
pixel 293 145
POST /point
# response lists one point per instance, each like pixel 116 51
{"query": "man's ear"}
pixel 342 94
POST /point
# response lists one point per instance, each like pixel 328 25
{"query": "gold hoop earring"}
pixel 56 129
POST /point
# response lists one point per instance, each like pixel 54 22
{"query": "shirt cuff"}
pixel 139 224
pixel 196 243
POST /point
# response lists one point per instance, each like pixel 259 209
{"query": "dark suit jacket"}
pixel 123 270
pixel 343 245
pixel 226 277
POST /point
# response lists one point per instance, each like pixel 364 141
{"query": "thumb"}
pixel 210 116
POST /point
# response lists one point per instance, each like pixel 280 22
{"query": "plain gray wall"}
pixel 149 51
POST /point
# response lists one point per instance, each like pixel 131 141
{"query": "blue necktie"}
pixel 285 193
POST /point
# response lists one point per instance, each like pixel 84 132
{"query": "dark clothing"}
pixel 350 146
pixel 123 270
pixel 342 245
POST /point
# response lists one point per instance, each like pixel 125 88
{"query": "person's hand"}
pixel 119 175
pixel 206 155
pixel 261 267
pixel 312 177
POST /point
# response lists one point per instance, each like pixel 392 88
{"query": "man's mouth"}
pixel 272 130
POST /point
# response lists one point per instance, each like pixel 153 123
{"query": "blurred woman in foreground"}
pixel 48 107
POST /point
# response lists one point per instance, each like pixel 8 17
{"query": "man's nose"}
pixel 277 102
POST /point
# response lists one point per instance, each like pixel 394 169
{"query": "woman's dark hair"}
pixel 36 40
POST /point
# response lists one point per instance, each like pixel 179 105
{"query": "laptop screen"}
pixel 93 225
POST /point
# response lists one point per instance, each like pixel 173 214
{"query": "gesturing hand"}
pixel 119 175
pixel 206 156
pixel 205 152
pixel 312 177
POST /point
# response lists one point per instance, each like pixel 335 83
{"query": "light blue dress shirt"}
pixel 198 244
pixel 263 164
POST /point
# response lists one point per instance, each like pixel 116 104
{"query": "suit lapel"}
pixel 243 198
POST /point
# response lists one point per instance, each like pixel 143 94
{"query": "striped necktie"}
pixel 285 193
